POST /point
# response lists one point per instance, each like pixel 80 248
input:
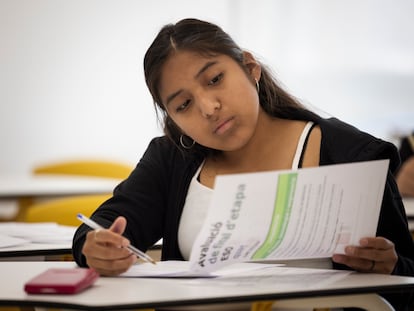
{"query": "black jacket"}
pixel 153 196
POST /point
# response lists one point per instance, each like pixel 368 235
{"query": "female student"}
pixel 223 112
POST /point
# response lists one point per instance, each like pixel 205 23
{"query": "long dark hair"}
pixel 208 39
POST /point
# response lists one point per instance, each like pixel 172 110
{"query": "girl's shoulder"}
pixel 342 142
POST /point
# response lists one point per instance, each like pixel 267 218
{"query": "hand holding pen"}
pixel 94 225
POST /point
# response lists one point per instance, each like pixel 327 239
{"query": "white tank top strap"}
pixel 301 144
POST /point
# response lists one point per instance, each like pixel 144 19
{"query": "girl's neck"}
pixel 271 147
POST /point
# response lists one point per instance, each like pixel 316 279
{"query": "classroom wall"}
pixel 72 85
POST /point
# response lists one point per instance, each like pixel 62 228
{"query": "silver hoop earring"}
pixel 184 145
pixel 257 86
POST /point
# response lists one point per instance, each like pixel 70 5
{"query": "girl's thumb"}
pixel 119 225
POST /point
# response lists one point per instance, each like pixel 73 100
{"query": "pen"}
pixel 89 222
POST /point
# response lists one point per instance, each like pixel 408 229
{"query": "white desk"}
pixel 12 187
pixel 44 241
pixel 47 251
pixel 27 188
pixel 35 241
pixel 134 293
pixel 36 252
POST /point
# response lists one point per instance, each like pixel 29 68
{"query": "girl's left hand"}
pixel 374 255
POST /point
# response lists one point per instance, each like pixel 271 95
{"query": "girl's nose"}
pixel 209 107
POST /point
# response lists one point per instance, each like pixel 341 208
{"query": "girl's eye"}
pixel 216 79
pixel 183 106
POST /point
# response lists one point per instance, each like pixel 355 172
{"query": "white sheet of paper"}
pixel 8 241
pixel 285 277
pixel 38 232
pixel 305 213
pixel 180 269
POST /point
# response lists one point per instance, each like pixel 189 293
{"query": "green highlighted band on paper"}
pixel 283 204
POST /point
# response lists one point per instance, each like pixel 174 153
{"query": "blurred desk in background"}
pixel 21 241
pixel 409 209
pixel 37 252
pixel 35 241
pixel 26 189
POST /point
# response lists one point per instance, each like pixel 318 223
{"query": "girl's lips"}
pixel 223 126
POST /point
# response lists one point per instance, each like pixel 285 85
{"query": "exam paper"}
pixel 283 277
pixel 283 215
pixel 182 269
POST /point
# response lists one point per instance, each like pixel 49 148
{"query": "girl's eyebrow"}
pixel 203 69
pixel 172 96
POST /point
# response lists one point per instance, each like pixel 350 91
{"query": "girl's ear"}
pixel 252 65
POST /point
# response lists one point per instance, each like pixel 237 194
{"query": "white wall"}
pixel 72 85
pixel 352 59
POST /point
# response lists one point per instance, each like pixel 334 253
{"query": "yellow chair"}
pixel 368 302
pixel 64 210
pixel 86 167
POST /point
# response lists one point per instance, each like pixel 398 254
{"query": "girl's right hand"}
pixel 106 249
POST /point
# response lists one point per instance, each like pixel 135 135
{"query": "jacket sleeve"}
pixel 393 225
